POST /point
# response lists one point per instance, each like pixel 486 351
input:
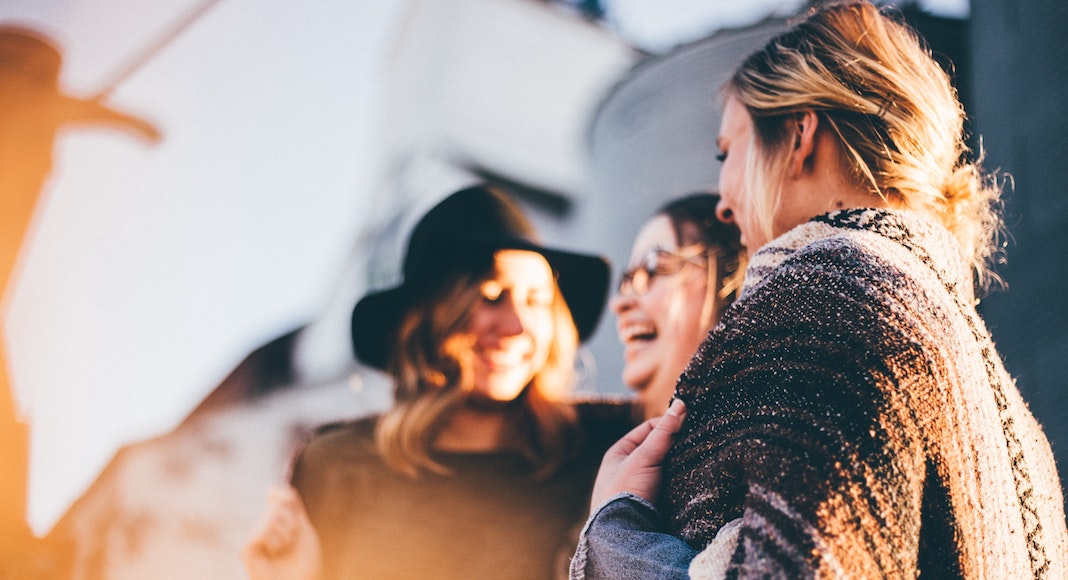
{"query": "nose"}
pixel 509 319
pixel 724 213
pixel 621 302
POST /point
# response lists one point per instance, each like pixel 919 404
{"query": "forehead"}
pixel 735 120
pixel 656 233
pixel 521 267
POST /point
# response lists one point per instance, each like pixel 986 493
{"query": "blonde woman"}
pixel 850 416
pixel 484 465
pixel 685 267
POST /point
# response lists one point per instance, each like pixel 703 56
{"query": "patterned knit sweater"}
pixel 850 417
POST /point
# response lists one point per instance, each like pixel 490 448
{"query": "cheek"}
pixel 683 315
pixel 542 330
pixel 656 304
pixel 477 329
pixel 729 188
pixel 668 307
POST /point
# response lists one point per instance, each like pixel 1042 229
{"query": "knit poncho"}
pixel 850 417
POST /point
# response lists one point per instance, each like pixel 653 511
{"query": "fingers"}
pixel 278 526
pixel 632 465
pixel 656 444
pixel 285 545
pixel 629 442
pixel 653 435
pixel 671 421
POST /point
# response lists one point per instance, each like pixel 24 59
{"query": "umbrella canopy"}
pixel 150 271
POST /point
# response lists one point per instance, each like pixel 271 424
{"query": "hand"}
pixel 284 545
pixel 632 464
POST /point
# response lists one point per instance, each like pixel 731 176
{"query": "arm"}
pixel 622 538
pixel 803 426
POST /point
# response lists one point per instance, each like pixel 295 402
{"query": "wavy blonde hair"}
pixel 431 370
pixel 893 110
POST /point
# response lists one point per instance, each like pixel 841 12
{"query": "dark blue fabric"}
pixel 622 540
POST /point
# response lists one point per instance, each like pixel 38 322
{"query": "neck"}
pixel 655 394
pixel 826 188
pixel 475 429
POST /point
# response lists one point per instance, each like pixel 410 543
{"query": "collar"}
pixel 912 232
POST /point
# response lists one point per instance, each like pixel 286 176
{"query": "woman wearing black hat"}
pixel 483 466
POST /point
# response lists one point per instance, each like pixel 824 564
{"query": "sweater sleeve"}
pixel 799 426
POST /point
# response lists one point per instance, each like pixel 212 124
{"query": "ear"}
pixel 804 128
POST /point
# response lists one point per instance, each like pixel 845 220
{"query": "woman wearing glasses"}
pixel 685 267
pixel 849 417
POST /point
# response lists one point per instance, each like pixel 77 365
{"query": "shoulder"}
pixel 849 258
pixel 343 441
pixel 842 278
pixel 841 300
pixel 852 307
pixel 604 419
pixel 334 471
pixel 606 410
pixel 871 253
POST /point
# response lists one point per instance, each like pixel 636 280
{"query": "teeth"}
pixel 503 357
pixel 637 331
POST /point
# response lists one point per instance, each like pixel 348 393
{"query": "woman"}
pixel 850 416
pixel 686 266
pixel 483 466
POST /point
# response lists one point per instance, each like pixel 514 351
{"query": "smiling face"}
pixel 511 324
pixel 662 328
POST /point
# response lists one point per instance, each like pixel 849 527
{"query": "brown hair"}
pixel 693 218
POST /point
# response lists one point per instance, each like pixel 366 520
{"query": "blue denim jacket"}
pixel 621 540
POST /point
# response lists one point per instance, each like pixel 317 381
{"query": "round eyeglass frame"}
pixel 638 278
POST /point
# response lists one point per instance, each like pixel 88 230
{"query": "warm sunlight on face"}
pixel 735 137
pixel 661 327
pixel 512 325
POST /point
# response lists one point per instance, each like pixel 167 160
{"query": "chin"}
pixel 636 379
pixel 504 393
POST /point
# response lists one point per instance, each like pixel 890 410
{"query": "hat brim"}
pixel 582 278
pixel 374 323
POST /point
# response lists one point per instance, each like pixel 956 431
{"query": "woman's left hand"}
pixel 284 545
pixel 632 464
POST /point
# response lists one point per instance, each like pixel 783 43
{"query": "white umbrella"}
pixel 153 270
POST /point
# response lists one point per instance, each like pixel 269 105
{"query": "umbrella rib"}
pixel 153 48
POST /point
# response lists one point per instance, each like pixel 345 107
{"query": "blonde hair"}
pixel 894 113
pixel 431 370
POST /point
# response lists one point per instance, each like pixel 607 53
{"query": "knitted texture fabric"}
pixel 852 413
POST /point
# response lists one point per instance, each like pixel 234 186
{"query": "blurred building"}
pixel 1019 69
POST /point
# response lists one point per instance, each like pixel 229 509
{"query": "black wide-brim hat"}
pixel 461 234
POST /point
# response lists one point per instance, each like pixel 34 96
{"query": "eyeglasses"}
pixel 659 262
